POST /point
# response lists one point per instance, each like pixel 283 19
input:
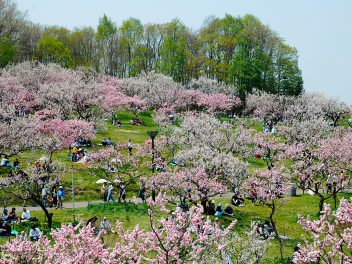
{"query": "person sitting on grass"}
pixel 22 236
pixel 109 142
pixel 228 210
pixel 34 233
pixel 92 222
pixel 12 215
pixel 211 208
pixel 219 211
pixel 105 226
pixel 5 215
pixel 237 200
pixel 5 229
pixel 16 164
pixel 26 215
pixel 4 161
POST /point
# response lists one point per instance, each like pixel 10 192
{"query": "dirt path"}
pixel 69 204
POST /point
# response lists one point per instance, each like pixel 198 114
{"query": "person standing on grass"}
pixel 142 190
pixel 60 197
pixel 103 191
pixel 130 146
pixel 122 196
pixel 110 193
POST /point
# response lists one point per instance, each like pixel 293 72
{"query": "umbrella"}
pixel 101 181
pixel 43 159
pixel 116 161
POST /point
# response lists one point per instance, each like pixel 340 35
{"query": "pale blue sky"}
pixel 319 29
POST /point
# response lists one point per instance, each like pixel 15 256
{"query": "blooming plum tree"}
pixel 330 240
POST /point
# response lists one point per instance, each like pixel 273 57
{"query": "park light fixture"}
pixel 152 135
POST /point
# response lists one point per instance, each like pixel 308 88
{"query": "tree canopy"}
pixel 239 51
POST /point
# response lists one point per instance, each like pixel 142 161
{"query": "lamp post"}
pixel 73 195
pixel 152 135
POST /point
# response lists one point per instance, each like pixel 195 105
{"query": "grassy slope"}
pixel 131 214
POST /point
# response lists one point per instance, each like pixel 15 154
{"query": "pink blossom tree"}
pixel 28 185
pixel 208 86
pixel 17 136
pixel 179 238
pixel 118 169
pixel 207 143
pixel 56 134
pixel 268 108
pixel 327 164
pixel 269 188
pixel 188 185
pixel 113 97
pixel 330 237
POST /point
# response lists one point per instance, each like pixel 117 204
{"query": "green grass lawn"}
pixel 85 187
pixel 131 214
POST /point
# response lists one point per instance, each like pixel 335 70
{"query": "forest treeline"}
pixel 240 51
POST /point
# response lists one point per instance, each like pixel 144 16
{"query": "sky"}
pixel 319 29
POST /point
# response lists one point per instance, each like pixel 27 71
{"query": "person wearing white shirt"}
pixel 4 161
pixel 26 215
pixel 105 225
pixel 34 233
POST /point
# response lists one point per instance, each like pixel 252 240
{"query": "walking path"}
pixel 83 204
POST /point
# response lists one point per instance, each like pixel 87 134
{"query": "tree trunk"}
pixel 335 198
pixel 273 210
pixel 49 216
pixel 321 204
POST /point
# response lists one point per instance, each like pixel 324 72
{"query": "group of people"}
pixel 265 230
pixel 108 192
pixel 34 234
pixel 11 217
pixel 39 167
pixel 5 162
pixel 332 182
pixel 76 153
pixel 53 198
pixel 267 129
pixel 115 121
pixel 218 211
pixel 107 142
pixel 237 199
pixel 76 150
pixel 104 227
pixel 137 122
